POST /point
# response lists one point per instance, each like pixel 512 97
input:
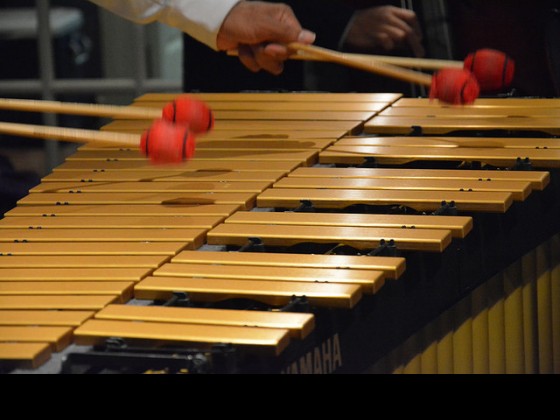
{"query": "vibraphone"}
pixel 311 233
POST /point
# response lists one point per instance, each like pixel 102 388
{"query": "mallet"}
pixel 493 69
pixel 163 142
pixel 453 85
pixel 184 109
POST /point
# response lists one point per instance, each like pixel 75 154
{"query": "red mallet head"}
pixel 165 142
pixel 454 86
pixel 492 68
pixel 188 110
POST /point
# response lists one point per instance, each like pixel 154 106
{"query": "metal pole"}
pixel 46 74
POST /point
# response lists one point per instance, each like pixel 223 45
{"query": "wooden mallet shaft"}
pixel 383 69
pixel 409 62
pixel 74 108
pixel 75 135
pixel 163 142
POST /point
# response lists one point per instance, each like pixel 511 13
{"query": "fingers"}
pixel 258 57
pixel 406 27
pixel 258 29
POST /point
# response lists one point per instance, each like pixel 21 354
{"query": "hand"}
pixel 388 27
pixel 258 30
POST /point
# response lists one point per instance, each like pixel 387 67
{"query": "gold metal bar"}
pixel 371 281
pixel 538 179
pixel 72 274
pixel 74 288
pixel 81 261
pixel 94 331
pixel 58 337
pixel 460 226
pixel 159 249
pixel 520 189
pixel 418 200
pixel 120 210
pixel 299 325
pixel 111 222
pixel 194 238
pixel 88 303
pixel 433 240
pixel 189 166
pixel 402 125
pixel 24 355
pixel 245 200
pixel 44 318
pixel 540 158
pixel 275 97
pixel 393 267
pixel 272 292
pixel 87 176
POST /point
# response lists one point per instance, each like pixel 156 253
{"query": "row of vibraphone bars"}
pixel 107 226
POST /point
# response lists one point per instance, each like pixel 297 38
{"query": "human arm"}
pixel 256 28
pixel 384 27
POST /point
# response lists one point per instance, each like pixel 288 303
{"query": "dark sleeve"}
pixel 327 18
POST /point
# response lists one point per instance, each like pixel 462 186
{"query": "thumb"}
pixel 279 24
